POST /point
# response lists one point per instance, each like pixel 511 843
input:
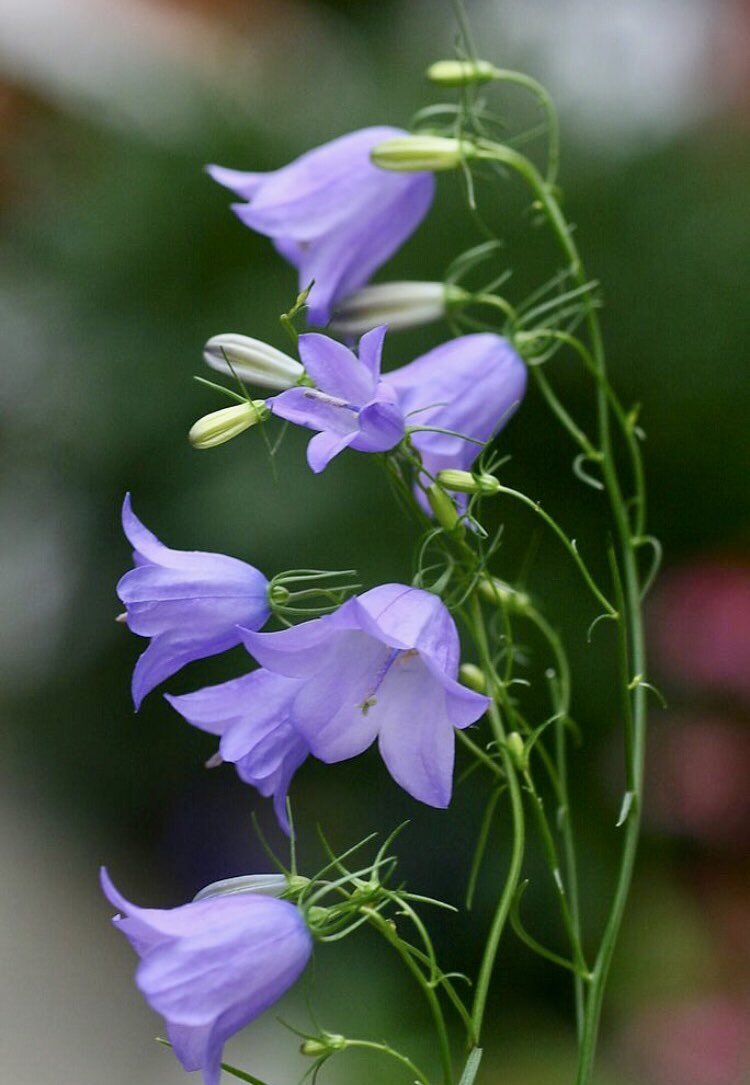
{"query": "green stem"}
pixel 514 871
pixel 384 1049
pixel 433 1002
pixel 569 546
pixel 565 824
pixel 632 616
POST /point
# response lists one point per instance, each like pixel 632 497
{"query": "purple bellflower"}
pixel 252 716
pixel 383 666
pixel 332 214
pixel 188 602
pixel 349 404
pixel 471 386
pixel 211 966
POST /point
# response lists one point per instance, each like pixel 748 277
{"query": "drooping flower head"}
pixel 332 214
pixel 471 386
pixel 383 666
pixel 188 602
pixel 349 405
pixel 252 716
pixel 212 966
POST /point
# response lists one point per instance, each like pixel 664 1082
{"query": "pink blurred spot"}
pixel 700 626
pixel 705 1042
pixel 698 776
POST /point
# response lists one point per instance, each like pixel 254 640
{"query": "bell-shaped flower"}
pixel 251 714
pixel 211 966
pixel 332 214
pixel 470 386
pixel 384 666
pixel 188 602
pixel 349 404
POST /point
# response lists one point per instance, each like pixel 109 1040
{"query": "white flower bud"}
pixel 399 305
pixel 252 361
pixel 220 426
pixel 414 153
pixel 464 482
pixel 265 885
pixel 461 73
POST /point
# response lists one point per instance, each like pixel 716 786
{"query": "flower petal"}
pixel 335 369
pixel 315 410
pixel 370 349
pixel 416 736
pixel 406 618
pixel 323 447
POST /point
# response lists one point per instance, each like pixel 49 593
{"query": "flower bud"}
pixel 464 482
pixel 326 1044
pixel 461 73
pixel 251 360
pixel 415 153
pixel 220 426
pixel 517 751
pixel 265 885
pixel 473 677
pixel 444 510
pixel 497 591
pixel 399 305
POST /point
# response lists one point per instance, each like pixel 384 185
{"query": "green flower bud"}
pixel 444 510
pixel 497 591
pixel 465 483
pixel 473 677
pixel 461 73
pixel 415 153
pixel 517 751
pixel 325 1044
pixel 220 426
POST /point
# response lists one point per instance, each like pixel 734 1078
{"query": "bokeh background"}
pixel 119 259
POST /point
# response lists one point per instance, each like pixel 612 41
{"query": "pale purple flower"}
pixel 332 214
pixel 251 714
pixel 211 966
pixel 471 386
pixel 188 602
pixel 350 405
pixel 383 666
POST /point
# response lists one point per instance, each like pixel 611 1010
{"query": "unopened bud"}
pixel 220 426
pixel 264 885
pixel 415 153
pixel 498 592
pixel 517 751
pixel 318 1046
pixel 399 305
pixel 461 73
pixel 444 510
pixel 473 677
pixel 252 360
pixel 464 482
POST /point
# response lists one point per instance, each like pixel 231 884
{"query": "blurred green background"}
pixel 119 259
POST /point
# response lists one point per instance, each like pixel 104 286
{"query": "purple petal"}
pixel 335 369
pixel 237 181
pixel 416 736
pixel 345 259
pixel 381 426
pixel 315 410
pixel 471 385
pixel 320 189
pixel 411 618
pixel 323 447
pixel 299 652
pixel 331 710
pixel 370 349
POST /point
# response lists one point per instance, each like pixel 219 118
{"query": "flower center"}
pixel 395 655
